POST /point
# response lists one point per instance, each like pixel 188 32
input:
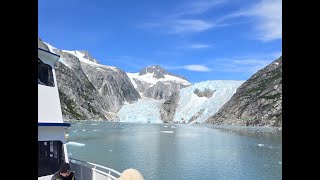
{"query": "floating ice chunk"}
pixel 167 131
pixel 260 145
pixel 71 143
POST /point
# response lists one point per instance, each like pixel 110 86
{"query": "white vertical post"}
pixel 94 173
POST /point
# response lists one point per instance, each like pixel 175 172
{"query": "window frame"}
pixel 50 157
pixel 45 74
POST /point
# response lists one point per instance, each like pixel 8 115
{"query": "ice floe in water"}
pixel 71 143
pixel 260 145
pixel 166 131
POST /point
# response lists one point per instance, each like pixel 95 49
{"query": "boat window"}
pixel 50 157
pixel 45 75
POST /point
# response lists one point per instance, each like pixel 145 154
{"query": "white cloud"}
pixel 195 46
pixel 180 22
pixel 189 25
pixel 181 26
pixel 249 64
pixel 269 13
pixel 196 67
pixel 265 15
pixel 198 7
pixel 268 18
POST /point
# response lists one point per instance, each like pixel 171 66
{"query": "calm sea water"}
pixel 165 152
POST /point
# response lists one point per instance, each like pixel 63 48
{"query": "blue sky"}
pixel 199 39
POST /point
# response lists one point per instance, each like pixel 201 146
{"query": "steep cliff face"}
pixel 157 83
pixel 168 108
pixel 89 90
pixel 257 102
pixel 113 84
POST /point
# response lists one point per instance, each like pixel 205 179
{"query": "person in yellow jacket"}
pixel 64 173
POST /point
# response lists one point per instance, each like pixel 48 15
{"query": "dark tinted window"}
pixel 50 157
pixel 45 75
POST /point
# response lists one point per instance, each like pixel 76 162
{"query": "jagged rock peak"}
pixel 88 56
pixel 158 71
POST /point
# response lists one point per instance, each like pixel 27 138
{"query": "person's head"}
pixel 131 174
pixel 65 169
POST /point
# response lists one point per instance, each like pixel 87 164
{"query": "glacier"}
pixel 190 104
pixel 143 111
pixel 147 110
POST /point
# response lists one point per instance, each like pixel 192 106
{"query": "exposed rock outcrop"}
pixel 168 108
pixel 157 83
pixel 257 102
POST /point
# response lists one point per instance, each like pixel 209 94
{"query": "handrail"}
pixel 112 170
pixel 104 170
pixel 104 173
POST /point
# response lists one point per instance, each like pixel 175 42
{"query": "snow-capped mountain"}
pixel 155 82
pixel 82 55
pixel 88 89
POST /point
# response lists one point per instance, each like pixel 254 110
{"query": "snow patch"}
pixel 148 78
pixel 80 55
pixel 51 48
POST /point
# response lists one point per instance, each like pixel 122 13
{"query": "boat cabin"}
pixel 52 150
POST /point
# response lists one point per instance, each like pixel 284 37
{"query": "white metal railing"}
pixel 90 171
